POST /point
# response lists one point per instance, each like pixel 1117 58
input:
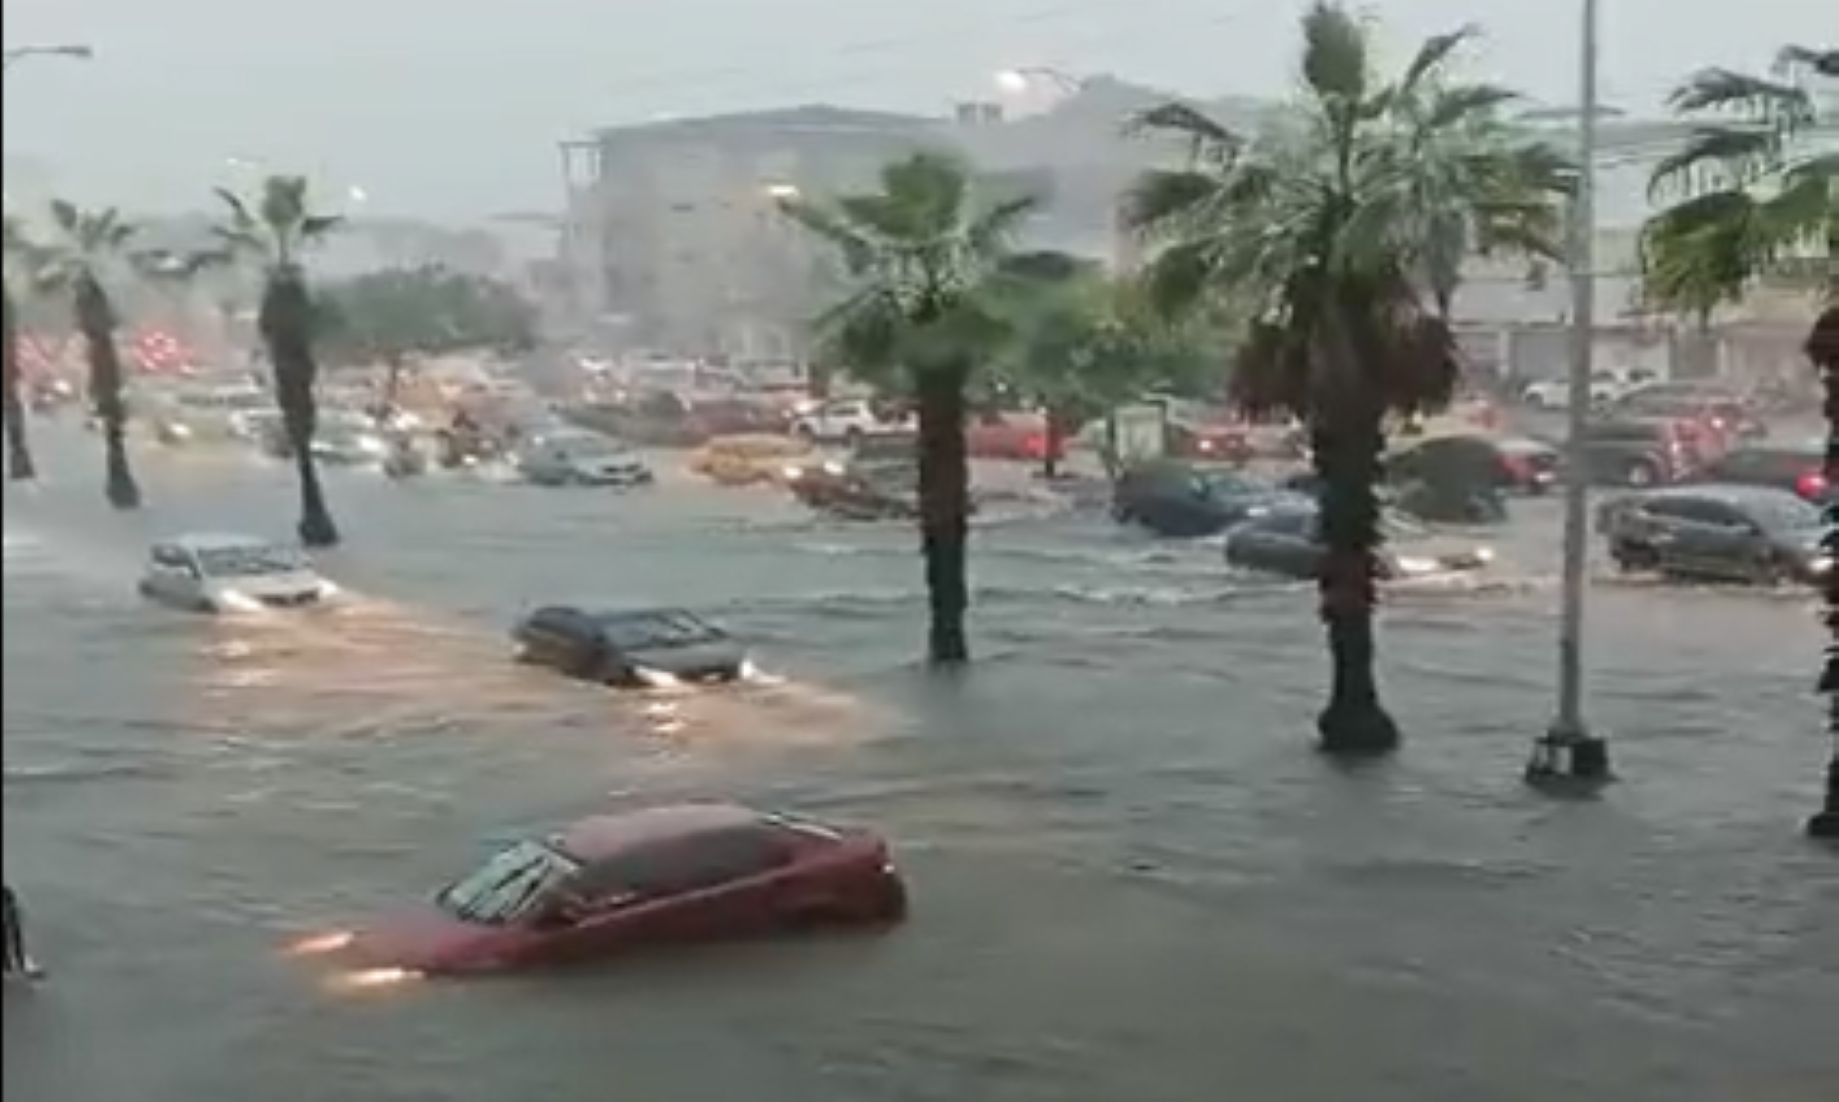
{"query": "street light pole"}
pixel 1567 752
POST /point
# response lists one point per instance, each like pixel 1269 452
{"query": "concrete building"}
pixel 674 240
pixel 673 234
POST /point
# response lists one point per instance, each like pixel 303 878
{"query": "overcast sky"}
pixel 453 107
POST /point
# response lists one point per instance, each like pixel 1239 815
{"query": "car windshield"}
pixel 509 885
pixel 642 630
pixel 249 560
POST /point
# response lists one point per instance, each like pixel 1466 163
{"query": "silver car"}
pixel 573 457
pixel 230 573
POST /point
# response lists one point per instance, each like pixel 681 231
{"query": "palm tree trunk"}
pixel 944 503
pixel 294 374
pixel 1347 460
pixel 1053 428
pixel 96 321
pixel 19 466
pixel 1823 350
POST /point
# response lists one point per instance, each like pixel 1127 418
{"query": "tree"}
pixel 1823 352
pixel 19 465
pixel 930 263
pixel 273 235
pixel 1335 224
pixel 1752 196
pixel 430 310
pixel 87 252
pixel 1087 345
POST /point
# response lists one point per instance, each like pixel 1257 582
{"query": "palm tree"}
pixel 274 234
pixel 1337 224
pixel 19 465
pixel 1751 195
pixel 89 250
pixel 1823 350
pixel 930 261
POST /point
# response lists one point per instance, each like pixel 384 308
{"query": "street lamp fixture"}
pixel 1027 78
pixel 72 51
pixel 1568 755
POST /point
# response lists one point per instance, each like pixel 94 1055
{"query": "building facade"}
pixel 675 240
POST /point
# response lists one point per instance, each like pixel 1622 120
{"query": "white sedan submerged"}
pixel 230 573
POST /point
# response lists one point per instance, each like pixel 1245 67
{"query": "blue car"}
pixel 1184 501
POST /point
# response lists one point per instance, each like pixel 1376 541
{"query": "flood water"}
pixel 1132 880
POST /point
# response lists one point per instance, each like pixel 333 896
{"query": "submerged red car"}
pixel 617 883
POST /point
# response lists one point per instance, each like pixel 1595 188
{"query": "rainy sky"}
pixel 453 107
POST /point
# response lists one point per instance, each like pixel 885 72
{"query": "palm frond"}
pixel 1336 62
pixel 1433 54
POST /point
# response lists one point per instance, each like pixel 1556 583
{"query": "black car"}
pixel 1288 542
pixel 1635 452
pixel 1184 501
pixel 629 648
pixel 1797 467
pixel 1732 533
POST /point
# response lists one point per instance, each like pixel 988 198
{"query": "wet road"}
pixel 1132 880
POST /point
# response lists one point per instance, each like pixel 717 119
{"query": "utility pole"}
pixel 1567 753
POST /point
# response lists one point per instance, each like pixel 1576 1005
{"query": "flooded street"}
pixel 1132 881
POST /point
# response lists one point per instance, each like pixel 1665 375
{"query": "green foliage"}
pixel 1751 195
pixel 389 315
pixel 1336 222
pixel 929 265
pixel 276 230
pixel 1086 345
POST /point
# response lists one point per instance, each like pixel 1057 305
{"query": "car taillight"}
pixel 1811 485
pixel 1036 444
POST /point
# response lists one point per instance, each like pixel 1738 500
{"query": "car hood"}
pixel 689 661
pixel 424 939
pixel 271 585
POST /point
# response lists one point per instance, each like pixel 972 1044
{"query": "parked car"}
pixel 340 439
pixel 1185 501
pixel 1011 435
pixel 1605 386
pixel 222 572
pixel 629 648
pixel 1721 417
pixel 575 457
pixel 1644 452
pixel 1731 533
pixel 847 420
pixel 1484 463
pixel 1288 542
pixel 1798 466
pixel 609 885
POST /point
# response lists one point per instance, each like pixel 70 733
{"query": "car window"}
pixel 634 630
pixel 249 560
pixel 1692 510
pixel 508 885
pixel 1783 513
pixel 679 866
pixel 171 558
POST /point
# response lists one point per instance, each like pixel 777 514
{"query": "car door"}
pixel 1687 537
pixel 1733 545
pixel 720 884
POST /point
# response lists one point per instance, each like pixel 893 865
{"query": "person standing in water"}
pixel 19 965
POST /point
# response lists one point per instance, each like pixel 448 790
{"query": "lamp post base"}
pixel 1569 758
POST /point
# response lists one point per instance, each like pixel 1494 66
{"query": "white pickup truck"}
pixel 846 419
pixel 1605 386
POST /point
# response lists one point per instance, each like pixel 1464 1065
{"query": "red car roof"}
pixel 603 836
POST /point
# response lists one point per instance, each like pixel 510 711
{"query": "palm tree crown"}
pixel 1751 194
pixel 1343 225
